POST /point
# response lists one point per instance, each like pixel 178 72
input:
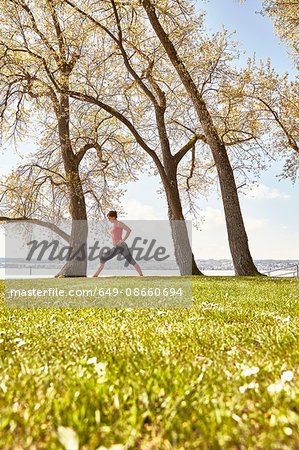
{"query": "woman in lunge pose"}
pixel 119 244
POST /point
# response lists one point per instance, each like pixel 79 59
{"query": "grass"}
pixel 217 375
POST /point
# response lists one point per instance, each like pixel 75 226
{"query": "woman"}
pixel 119 244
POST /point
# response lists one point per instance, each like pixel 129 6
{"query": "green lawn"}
pixel 221 374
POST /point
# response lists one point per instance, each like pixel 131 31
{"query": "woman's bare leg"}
pixel 137 267
pixel 98 271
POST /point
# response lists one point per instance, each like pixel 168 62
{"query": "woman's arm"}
pixel 127 229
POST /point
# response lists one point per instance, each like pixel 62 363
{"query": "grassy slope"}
pixel 171 378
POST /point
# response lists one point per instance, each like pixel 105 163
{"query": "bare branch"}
pixel 181 153
pixel 191 168
pixel 42 223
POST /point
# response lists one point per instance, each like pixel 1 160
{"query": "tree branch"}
pixel 191 168
pixel 42 223
pixel 35 27
pixel 181 153
pixel 291 140
pixel 80 154
pixel 122 119
pixel 119 41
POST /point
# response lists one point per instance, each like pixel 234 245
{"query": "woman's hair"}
pixel 112 214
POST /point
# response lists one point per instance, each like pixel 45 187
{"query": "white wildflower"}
pixel 250 371
pixel 68 438
pixel 287 376
pixel 236 418
pixel 92 360
pixel 20 342
pixel 245 387
pixel 100 368
pixel 275 387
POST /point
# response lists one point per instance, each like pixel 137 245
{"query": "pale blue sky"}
pixel 272 215
pixel 253 30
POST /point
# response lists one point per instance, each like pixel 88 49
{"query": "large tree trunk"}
pixel 183 251
pixel 237 236
pixel 76 265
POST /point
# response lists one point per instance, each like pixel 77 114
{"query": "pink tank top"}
pixel 116 233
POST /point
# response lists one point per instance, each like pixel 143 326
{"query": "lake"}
pixel 24 273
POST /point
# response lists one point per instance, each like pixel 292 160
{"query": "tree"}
pixel 237 236
pixel 52 79
pixel 147 110
pixel 37 61
pixel 211 70
pixel 271 101
pixel 273 97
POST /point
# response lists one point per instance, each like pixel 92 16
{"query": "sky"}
pixel 271 208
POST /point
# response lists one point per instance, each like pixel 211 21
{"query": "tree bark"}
pixel 183 251
pixel 76 265
pixel 237 237
pixel 182 246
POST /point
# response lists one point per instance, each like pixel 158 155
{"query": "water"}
pixel 219 273
pixel 24 273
